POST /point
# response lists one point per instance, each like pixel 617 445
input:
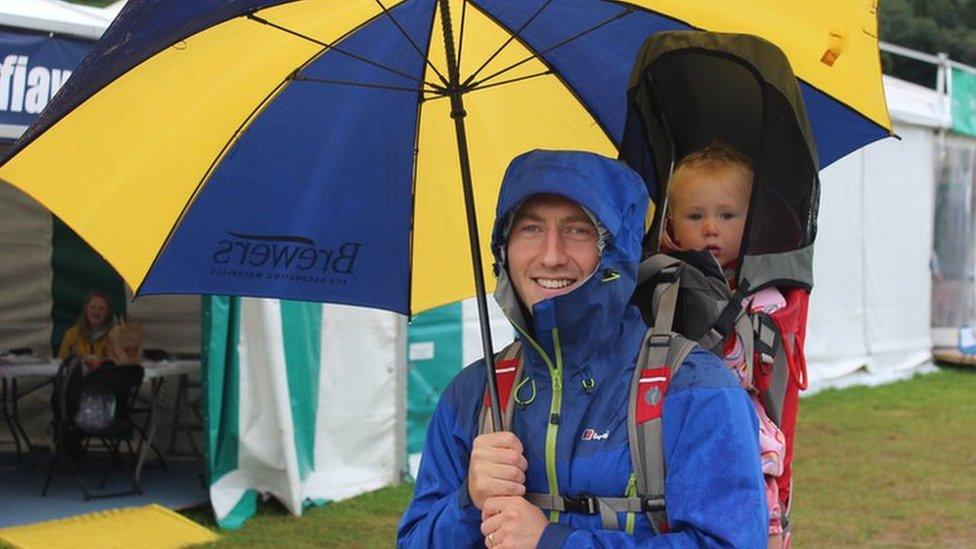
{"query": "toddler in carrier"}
pixel 707 206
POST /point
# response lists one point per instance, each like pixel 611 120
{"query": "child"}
pixel 707 205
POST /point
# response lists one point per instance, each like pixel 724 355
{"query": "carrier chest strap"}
pixel 607 507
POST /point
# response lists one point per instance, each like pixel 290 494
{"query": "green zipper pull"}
pixel 631 485
pixel 631 492
pixel 557 372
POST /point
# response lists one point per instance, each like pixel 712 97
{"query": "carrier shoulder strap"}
pixel 651 266
pixel 772 364
pixel 508 371
pixel 661 354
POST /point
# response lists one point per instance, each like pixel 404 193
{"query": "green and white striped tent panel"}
pixel 305 402
pixel 440 343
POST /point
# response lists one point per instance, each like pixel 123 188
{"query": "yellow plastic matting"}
pixel 148 527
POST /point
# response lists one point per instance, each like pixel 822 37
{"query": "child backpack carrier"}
pixel 689 302
pixel 687 90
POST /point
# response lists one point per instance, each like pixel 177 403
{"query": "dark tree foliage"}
pixel 930 26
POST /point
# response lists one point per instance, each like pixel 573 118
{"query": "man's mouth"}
pixel 554 283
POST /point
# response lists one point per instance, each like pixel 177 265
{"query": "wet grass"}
pixel 891 466
pixel 369 520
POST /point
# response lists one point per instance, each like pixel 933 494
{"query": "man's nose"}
pixel 554 252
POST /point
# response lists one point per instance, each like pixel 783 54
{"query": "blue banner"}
pixel 33 67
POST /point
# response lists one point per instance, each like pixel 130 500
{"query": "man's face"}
pixel 552 248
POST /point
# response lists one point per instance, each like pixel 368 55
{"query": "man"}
pixel 567 242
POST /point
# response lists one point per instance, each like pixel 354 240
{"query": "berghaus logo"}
pixel 283 256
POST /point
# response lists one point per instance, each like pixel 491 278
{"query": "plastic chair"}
pixel 72 439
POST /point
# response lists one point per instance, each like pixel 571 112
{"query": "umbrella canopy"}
pixel 306 149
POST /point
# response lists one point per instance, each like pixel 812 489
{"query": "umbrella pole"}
pixel 458 113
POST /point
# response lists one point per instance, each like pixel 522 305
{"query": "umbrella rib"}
pixel 416 48
pixel 511 37
pixel 511 80
pixel 333 47
pixel 361 84
pixel 464 12
pixel 540 53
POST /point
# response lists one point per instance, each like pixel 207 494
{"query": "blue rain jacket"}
pixel 714 487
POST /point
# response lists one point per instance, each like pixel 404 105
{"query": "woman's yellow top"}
pixel 76 344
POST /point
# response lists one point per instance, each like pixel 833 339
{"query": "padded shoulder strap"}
pixel 660 357
pixel 508 371
pixel 653 265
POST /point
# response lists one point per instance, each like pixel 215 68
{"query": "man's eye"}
pixel 530 229
pixel 581 231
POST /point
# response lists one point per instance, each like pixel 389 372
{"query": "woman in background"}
pixel 87 336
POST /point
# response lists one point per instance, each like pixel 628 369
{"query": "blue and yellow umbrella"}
pixel 316 149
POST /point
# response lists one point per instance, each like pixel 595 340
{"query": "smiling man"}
pixel 552 248
pixel 567 243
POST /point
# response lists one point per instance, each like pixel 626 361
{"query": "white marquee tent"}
pixel 871 304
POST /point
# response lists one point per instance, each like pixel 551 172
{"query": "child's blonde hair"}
pixel 716 156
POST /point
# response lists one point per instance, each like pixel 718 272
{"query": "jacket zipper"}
pixel 555 409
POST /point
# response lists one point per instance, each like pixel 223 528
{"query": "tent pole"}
pixel 458 113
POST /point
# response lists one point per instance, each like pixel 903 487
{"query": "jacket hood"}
pixel 592 315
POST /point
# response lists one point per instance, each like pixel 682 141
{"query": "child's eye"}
pixel 728 216
pixel 693 216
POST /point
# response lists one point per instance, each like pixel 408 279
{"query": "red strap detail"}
pixel 505 371
pixel 651 388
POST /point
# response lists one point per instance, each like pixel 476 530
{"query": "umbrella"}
pixel 312 149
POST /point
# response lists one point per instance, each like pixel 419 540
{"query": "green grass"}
pixel 890 466
pixel 369 520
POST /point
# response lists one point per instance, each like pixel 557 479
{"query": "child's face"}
pixel 707 209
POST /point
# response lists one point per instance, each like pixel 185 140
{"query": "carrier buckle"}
pixel 653 503
pixel 581 504
pixel 659 340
